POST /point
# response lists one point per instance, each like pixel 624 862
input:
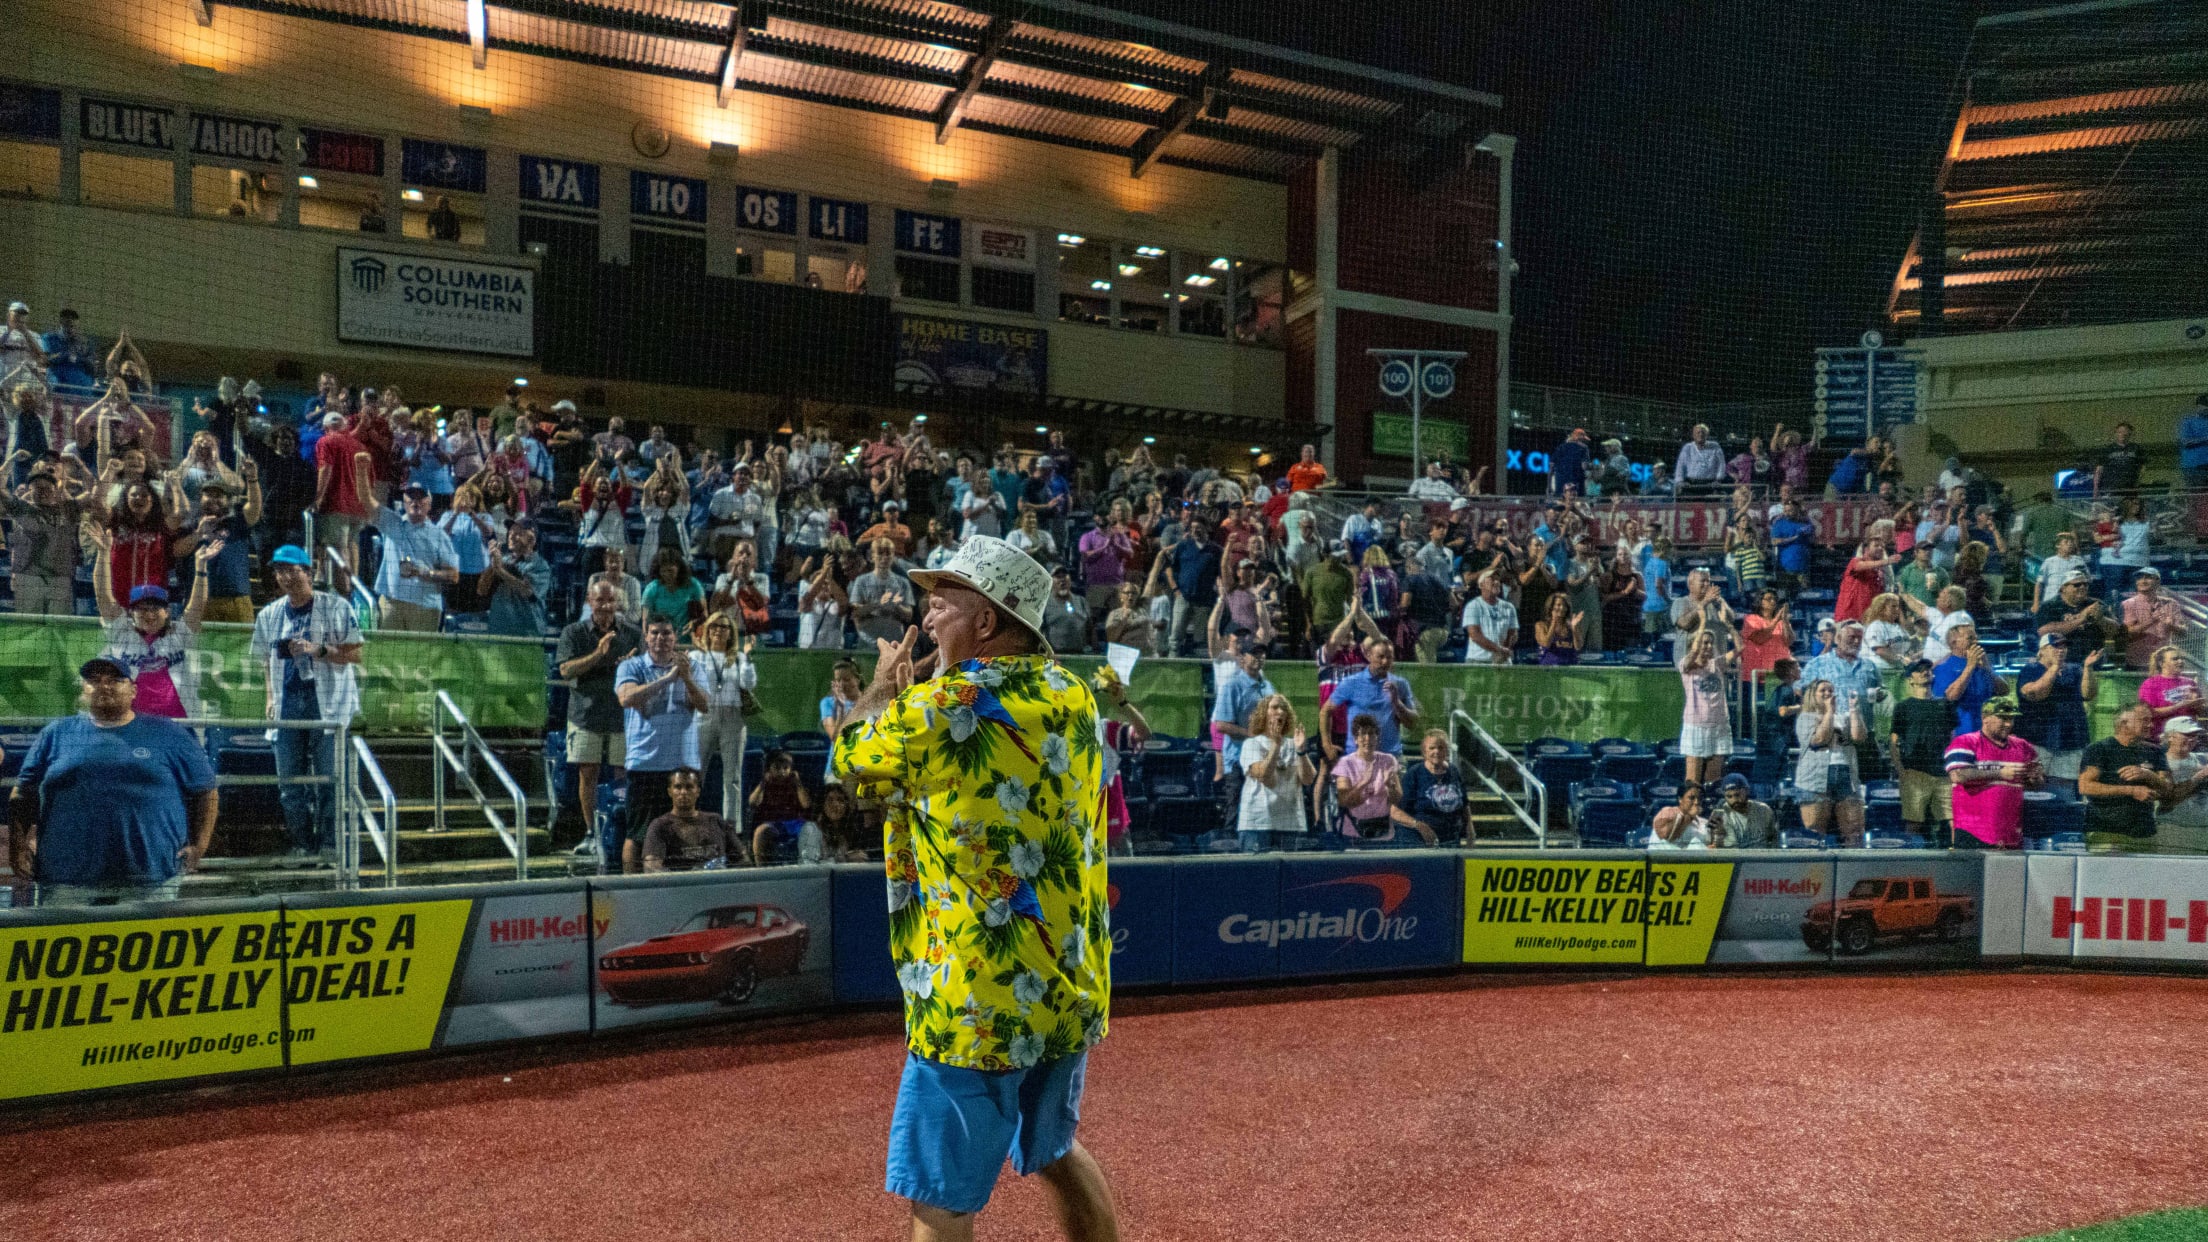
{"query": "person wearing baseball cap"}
pixel 419 562
pixel 18 344
pixel 1992 768
pixel 1568 463
pixel 1741 821
pixel 308 642
pixel 144 638
pixel 2151 618
pixel 2181 822
pixel 986 753
pixel 112 805
pixel 1922 727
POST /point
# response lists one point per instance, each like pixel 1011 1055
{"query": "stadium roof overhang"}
pixel 2074 187
pixel 1056 71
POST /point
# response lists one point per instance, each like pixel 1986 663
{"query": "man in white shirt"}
pixel 1490 624
pixel 418 564
pixel 1435 486
pixel 736 511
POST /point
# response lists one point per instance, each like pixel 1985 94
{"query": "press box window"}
pixel 443 215
pixel 1085 279
pixel 927 280
pixel 30 170
pixel 128 180
pixel 837 269
pixel 337 201
pixel 997 288
pixel 1260 298
pixel 1143 285
pixel 236 193
pixel 759 257
pixel 1200 284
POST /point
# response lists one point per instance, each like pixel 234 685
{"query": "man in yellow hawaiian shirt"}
pixel 993 779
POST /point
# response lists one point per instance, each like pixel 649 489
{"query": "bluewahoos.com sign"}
pixel 388 298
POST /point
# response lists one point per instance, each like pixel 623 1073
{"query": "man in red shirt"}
pixel 340 489
pixel 1307 473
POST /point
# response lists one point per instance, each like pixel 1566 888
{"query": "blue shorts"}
pixel 954 1127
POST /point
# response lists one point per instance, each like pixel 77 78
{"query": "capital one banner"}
pixel 392 298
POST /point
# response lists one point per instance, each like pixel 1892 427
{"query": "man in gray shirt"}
pixel 591 650
pixel 42 544
pixel 1065 615
pixel 882 598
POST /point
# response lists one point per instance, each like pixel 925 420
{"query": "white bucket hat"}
pixel 1011 579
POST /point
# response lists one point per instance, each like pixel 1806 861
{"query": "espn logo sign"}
pixel 2128 918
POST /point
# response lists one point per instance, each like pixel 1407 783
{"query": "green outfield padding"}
pixel 2181 1225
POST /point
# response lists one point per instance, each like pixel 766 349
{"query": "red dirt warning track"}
pixel 1745 1107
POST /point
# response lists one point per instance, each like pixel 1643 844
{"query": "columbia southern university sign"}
pixel 389 298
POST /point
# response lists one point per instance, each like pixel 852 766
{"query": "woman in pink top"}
pixel 1766 636
pixel 1705 725
pixel 1865 578
pixel 1367 782
pixel 2169 689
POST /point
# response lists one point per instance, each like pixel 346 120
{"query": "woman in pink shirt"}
pixel 1766 636
pixel 2169 689
pixel 1367 783
pixel 1705 724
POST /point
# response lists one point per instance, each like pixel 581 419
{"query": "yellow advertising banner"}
pixel 1624 911
pixel 91 1005
pixel 365 981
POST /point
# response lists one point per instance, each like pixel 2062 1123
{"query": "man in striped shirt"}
pixel 309 642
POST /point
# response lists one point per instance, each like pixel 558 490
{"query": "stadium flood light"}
pixel 1149 439
pixel 1201 281
pixel 1150 252
pixel 1070 239
pixel 1130 269
pixel 1222 264
pixel 1101 286
pixel 1041 430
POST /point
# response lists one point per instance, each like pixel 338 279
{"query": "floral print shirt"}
pixel 992 777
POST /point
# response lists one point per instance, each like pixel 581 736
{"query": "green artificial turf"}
pixel 2182 1225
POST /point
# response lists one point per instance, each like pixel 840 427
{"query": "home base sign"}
pixel 390 298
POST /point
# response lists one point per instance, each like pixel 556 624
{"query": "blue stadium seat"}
pixel 1639 838
pixel 17 746
pixel 1628 769
pixel 2059 843
pixel 1608 821
pixel 1604 748
pixel 1880 839
pixel 1661 791
pixel 1674 766
pixel 2049 813
pixel 1600 790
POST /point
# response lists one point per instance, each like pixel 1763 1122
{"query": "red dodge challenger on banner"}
pixel 719 954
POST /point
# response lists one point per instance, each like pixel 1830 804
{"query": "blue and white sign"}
pixel 121 124
pixel 237 138
pixel 661 197
pixel 559 183
pixel 389 298
pixel 1861 391
pixel 1345 914
pixel 921 233
pixel 1227 920
pixel 1140 895
pixel 1396 377
pixel 766 211
pixel 837 220
pixel 1438 379
pixel 443 165
pixel 32 112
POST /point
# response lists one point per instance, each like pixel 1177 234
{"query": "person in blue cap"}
pixel 112 805
pixel 309 641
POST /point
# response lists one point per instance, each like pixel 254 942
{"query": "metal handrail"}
pixel 472 746
pixel 1538 821
pixel 386 838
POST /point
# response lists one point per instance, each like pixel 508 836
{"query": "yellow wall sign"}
pixel 91 1005
pixel 1597 912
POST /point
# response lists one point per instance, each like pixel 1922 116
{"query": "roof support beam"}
pixel 739 29
pixel 1177 119
pixel 969 84
pixel 204 10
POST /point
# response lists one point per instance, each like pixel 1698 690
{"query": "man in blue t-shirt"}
pixel 2192 445
pixel 662 699
pixel 1195 582
pixel 1379 693
pixel 1792 537
pixel 1963 678
pixel 1237 697
pixel 111 805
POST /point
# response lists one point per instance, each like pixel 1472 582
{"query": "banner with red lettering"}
pixel 2147 908
pixel 1688 524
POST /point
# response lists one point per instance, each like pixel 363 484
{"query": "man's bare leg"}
pixel 1081 1197
pixel 933 1224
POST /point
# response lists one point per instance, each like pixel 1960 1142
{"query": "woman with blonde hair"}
pixel 725 671
pixel 1377 586
pixel 1274 770
pixel 1887 641
pixel 2169 689
pixel 1706 723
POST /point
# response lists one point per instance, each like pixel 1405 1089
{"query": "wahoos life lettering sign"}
pixel 390 298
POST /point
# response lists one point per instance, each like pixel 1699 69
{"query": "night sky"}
pixel 1706 192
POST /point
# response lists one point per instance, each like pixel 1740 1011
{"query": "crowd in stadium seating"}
pixel 659 564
